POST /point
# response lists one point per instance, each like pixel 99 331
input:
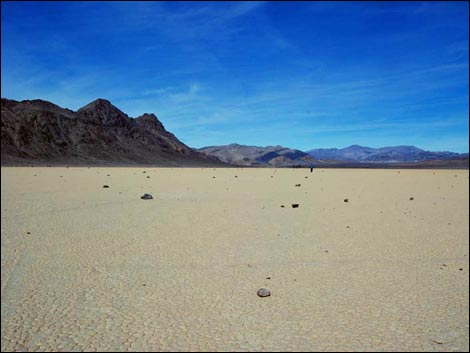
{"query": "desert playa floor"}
pixel 92 268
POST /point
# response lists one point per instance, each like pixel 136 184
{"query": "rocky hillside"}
pixel 271 156
pixel 37 131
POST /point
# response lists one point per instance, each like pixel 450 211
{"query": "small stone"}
pixel 148 177
pixel 236 176
pixel 306 177
pixel 268 277
pixel 28 232
pixel 146 197
pixel 460 269
pixel 213 177
pixel 412 198
pixel 326 250
pixel 144 172
pixel 297 185
pixel 346 200
pixel 348 227
pixel 105 186
pixel 263 293
pixel 283 206
pixel 107 175
pixel 295 205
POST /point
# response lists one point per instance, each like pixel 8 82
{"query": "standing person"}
pixel 311 168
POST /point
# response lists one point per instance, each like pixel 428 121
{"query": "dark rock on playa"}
pixel 263 293
pixel 146 197
pixel 412 198
pixel 282 206
pixel 297 185
pixel 295 205
pixel 346 200
pixel 105 186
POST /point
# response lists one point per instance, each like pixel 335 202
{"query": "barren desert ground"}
pixel 92 268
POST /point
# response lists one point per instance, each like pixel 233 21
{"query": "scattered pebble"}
pixel 346 200
pixel 148 177
pixel 146 197
pixel 105 186
pixel 295 205
pixel 306 177
pixel 268 277
pixel 263 293
pixel 297 185
pixel 412 198
pixel 144 171
pixel 348 227
pixel 28 232
pixel 460 269
pixel 282 206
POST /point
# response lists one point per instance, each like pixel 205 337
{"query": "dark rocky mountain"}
pixel 40 132
pixel 398 154
pixel 270 156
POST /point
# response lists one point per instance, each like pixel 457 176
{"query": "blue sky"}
pixel 298 74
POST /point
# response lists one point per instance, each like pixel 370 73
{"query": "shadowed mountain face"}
pixel 271 156
pixel 38 131
pixel 357 153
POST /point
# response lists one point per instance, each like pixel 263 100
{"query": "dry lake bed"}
pixel 369 260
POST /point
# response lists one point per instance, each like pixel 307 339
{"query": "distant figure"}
pixel 311 168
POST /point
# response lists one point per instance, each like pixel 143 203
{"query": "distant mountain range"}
pixel 40 132
pixel 270 156
pixel 398 154
pixel 350 157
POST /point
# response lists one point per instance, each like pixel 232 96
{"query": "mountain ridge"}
pixel 257 156
pixel 38 131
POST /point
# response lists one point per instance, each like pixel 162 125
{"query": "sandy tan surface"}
pixel 104 270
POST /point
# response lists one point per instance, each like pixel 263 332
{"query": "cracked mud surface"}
pixel 104 270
